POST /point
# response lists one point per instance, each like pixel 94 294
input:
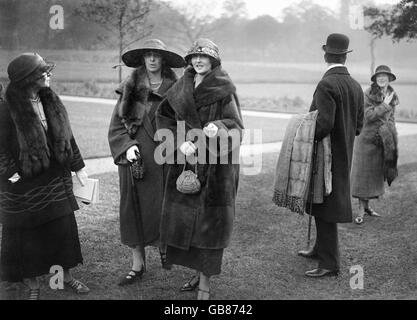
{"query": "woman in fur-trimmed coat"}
pixel 37 154
pixel 376 148
pixel 131 134
pixel 197 227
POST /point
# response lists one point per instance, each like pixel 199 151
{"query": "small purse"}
pixel 138 167
pixel 188 182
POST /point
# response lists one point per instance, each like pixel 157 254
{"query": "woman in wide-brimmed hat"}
pixel 197 227
pixel 376 149
pixel 37 154
pixel 131 136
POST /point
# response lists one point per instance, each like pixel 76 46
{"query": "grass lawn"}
pixel 261 262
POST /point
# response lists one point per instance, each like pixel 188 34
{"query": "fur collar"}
pixel 135 93
pixel 35 154
pixel 185 100
pixel 375 95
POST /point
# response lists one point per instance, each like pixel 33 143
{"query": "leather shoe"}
pixel 320 272
pixel 310 254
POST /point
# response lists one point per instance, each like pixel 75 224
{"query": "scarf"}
pixel 35 153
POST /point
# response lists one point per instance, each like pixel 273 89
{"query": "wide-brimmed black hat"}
pixel 134 58
pixel 205 47
pixel 337 43
pixel 27 64
pixel 383 69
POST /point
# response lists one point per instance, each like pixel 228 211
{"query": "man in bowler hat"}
pixel 339 101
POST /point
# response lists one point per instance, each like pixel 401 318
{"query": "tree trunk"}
pixel 120 58
pixel 372 45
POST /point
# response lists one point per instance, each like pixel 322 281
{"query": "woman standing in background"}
pixel 376 148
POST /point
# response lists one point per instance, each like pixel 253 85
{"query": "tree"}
pixel 186 23
pixel 399 22
pixel 404 20
pixel 126 19
pixel 235 9
pixel 378 24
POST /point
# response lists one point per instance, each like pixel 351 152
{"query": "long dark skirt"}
pixel 28 253
pixel 207 261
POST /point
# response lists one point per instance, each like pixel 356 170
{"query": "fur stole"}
pixel 35 154
pixel 376 96
pixel 186 100
pixel 135 94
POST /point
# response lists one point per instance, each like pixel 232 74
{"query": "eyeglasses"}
pixel 44 75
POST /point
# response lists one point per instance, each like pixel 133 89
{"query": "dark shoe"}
pixel 164 263
pixel 131 277
pixel 309 254
pixel 191 285
pixel 34 294
pixel 320 272
pixel 372 213
pixel 77 286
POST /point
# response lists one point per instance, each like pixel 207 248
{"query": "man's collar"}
pixel 335 65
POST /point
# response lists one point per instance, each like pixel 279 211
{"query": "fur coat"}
pixel 43 158
pixel 133 123
pixel 203 220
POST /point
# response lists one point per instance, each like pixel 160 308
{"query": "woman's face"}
pixel 382 80
pixel 43 80
pixel 201 64
pixel 153 61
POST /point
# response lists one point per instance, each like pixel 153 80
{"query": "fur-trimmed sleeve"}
pixel 230 125
pixel 7 162
pixel 118 137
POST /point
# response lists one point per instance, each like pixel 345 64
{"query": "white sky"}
pixel 274 7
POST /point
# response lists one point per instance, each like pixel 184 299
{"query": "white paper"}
pixel 89 192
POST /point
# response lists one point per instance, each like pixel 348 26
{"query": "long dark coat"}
pixel 34 200
pixel 133 123
pixel 339 100
pixel 203 220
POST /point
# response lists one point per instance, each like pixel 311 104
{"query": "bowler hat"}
pixel 204 47
pixel 337 43
pixel 383 69
pixel 26 64
pixel 134 58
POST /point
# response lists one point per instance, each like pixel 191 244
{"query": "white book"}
pixel 89 193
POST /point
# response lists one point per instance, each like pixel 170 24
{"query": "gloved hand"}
pixel 188 148
pixel 82 176
pixel 14 178
pixel 388 98
pixel 131 153
pixel 210 130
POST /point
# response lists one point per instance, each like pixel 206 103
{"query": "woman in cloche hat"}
pixel 197 227
pixel 37 154
pixel 376 148
pixel 131 138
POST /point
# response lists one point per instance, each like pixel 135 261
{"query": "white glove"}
pixel 210 130
pixel 388 98
pixel 82 176
pixel 131 153
pixel 188 148
pixel 14 178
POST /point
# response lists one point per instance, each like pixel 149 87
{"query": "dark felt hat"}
pixel 383 69
pixel 337 43
pixel 134 58
pixel 204 47
pixel 27 64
